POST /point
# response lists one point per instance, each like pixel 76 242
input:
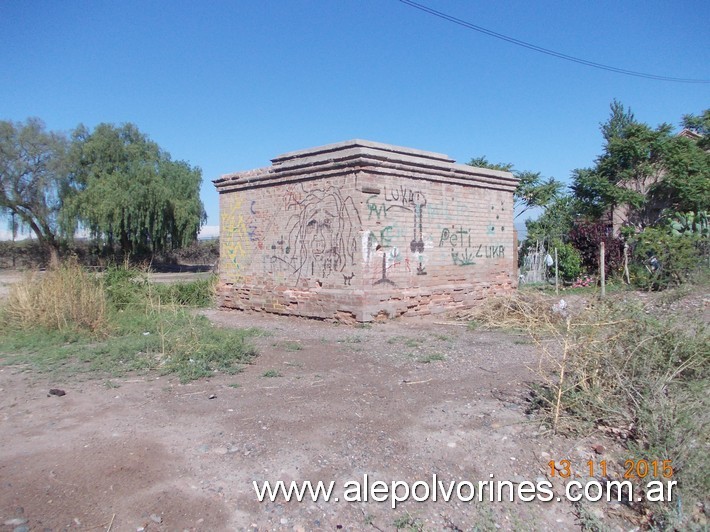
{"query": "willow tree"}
pixel 33 179
pixel 130 192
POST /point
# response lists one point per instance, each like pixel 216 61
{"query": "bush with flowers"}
pixel 584 281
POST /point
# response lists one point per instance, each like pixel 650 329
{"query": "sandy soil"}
pixel 157 455
pixel 148 453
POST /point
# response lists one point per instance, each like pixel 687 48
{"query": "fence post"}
pixel 626 262
pixel 557 276
pixel 602 268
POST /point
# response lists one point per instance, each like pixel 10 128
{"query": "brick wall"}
pixel 359 230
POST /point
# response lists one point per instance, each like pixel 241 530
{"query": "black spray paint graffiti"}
pixel 383 279
pixel 417 244
pixel 322 235
pixel 405 199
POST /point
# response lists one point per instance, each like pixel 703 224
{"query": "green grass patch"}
pixel 434 357
pixel 126 287
pixel 408 523
pixel 352 339
pixel 413 342
pixel 290 345
pixel 271 373
pixel 146 327
pixel 172 342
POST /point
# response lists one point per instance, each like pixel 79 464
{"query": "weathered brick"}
pixel 361 230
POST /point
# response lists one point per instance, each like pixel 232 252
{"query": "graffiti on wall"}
pixel 314 231
pixel 464 249
pixel 319 238
pixel 234 238
pixel 398 198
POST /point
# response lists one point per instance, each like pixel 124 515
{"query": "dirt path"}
pixel 401 400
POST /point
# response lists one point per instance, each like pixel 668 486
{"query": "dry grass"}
pixel 612 367
pixel 64 297
pixel 517 310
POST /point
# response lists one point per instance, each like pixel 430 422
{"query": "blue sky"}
pixel 228 85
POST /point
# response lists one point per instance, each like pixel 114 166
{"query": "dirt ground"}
pixel 401 400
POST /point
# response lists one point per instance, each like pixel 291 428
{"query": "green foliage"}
pixel 141 326
pixel 194 348
pixel 555 223
pixel 483 162
pixel 169 340
pixel 569 260
pixel 619 119
pixel 113 181
pixel 699 125
pixel 33 178
pixel 131 192
pixel 125 286
pixel 596 194
pixel 129 287
pixel 199 293
pixel 662 259
pixel 690 223
pixel 532 190
pixel 650 170
pixel 686 182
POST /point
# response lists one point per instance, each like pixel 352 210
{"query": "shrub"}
pixel 584 282
pixel 142 326
pixel 199 293
pixel 569 261
pixel 662 260
pixel 587 238
pixel 62 298
pixel 642 380
pixel 126 286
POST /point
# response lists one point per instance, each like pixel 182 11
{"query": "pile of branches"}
pixel 517 310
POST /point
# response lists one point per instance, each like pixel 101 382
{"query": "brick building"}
pixel 359 230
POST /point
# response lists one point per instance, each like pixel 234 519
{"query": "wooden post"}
pixel 14 235
pixel 557 276
pixel 601 268
pixel 626 262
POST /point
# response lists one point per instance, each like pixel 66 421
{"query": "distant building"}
pixel 360 230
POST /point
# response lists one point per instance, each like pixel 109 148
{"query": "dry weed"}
pixel 517 310
pixel 64 297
